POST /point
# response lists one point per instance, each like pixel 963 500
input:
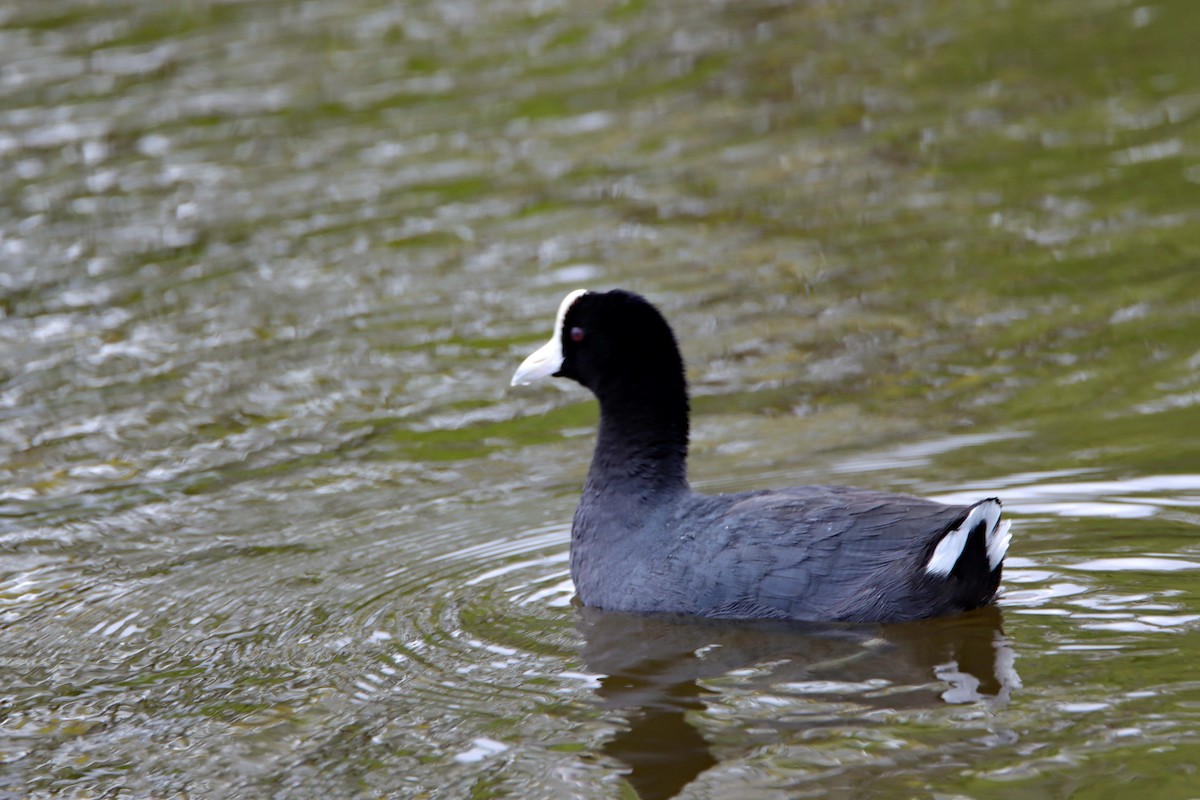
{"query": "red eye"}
pixel 576 334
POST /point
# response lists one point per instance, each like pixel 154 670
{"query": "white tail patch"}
pixel 997 543
pixel 950 548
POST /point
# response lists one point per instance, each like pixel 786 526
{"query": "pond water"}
pixel 273 524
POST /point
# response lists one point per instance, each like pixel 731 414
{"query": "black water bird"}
pixel 643 542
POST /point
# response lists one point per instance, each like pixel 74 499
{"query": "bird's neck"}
pixel 642 444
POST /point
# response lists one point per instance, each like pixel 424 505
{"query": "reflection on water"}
pixel 656 673
pixel 271 524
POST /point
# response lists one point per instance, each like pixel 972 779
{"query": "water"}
pixel 272 524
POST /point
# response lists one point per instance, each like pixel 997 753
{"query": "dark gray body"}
pixel 828 553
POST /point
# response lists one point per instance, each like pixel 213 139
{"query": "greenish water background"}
pixel 273 524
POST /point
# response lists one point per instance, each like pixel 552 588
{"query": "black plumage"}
pixel 643 541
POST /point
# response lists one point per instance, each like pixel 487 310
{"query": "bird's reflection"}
pixel 653 669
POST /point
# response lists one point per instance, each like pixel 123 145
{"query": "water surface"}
pixel 272 524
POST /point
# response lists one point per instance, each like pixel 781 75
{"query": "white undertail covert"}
pixel 951 547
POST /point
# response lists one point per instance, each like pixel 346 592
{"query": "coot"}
pixel 643 541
